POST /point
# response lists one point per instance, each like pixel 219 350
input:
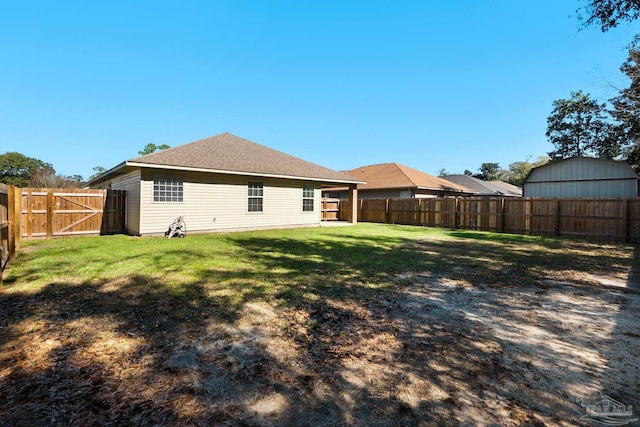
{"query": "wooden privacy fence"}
pixel 614 219
pixel 113 219
pixel 330 209
pixel 7 225
pixel 30 213
pixel 47 212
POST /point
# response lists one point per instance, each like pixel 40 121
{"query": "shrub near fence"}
pixel 613 219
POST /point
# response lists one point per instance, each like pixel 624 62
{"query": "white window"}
pixel 255 196
pixel 167 190
pixel 307 198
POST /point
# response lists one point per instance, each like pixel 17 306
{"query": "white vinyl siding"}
pixel 131 184
pixel 216 202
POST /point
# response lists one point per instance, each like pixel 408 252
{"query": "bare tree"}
pixel 47 178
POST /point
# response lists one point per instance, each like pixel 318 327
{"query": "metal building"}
pixel 582 177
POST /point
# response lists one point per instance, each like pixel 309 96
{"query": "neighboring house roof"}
pixel 486 188
pixel 507 189
pixel 227 153
pixel 394 175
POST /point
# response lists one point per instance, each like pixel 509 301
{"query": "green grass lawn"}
pixel 105 316
pixel 279 263
pixel 294 266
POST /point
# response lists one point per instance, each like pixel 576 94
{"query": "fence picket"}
pixel 614 219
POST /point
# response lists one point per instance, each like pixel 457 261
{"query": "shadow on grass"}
pixel 313 331
pixel 622 371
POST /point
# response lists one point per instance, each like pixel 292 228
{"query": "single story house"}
pixel 484 188
pixel 394 181
pixel 582 177
pixel 221 183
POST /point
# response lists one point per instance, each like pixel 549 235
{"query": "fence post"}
pixel 556 225
pixel 49 214
pixel 527 213
pixel 17 215
pixel 11 214
pixel 625 219
pixel 501 215
pixel 456 212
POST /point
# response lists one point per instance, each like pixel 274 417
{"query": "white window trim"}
pixel 174 178
pixel 247 197
pixel 313 199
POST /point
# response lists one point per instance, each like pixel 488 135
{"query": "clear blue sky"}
pixel 446 84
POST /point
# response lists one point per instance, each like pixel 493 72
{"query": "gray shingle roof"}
pixel 485 188
pixel 227 152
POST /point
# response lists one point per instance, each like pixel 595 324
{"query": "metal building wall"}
pixel 582 177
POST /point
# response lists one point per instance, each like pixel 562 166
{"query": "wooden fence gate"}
pixel 47 213
pixel 330 209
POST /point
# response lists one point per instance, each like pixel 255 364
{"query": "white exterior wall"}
pixel 384 194
pixel 215 202
pixel 131 184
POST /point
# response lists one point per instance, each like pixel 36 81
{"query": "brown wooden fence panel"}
pixel 4 226
pixel 404 211
pixel 617 219
pixel 5 208
pixel 543 217
pixel 633 220
pixel 34 213
pixel 344 214
pixel 113 219
pixel 483 214
pixel 50 212
pixel 601 218
pixel 437 212
pixel 373 210
pixel 330 209
pixel 517 216
pixel 8 224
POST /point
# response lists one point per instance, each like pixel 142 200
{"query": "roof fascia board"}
pixel 106 173
pixel 442 189
pixel 229 172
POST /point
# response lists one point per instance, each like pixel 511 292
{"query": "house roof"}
pixel 227 153
pixel 394 175
pixel 486 188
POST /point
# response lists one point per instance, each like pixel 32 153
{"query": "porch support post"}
pixel 353 203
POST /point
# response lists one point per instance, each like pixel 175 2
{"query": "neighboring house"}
pixel 221 183
pixel 486 188
pixel 582 177
pixel 393 180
